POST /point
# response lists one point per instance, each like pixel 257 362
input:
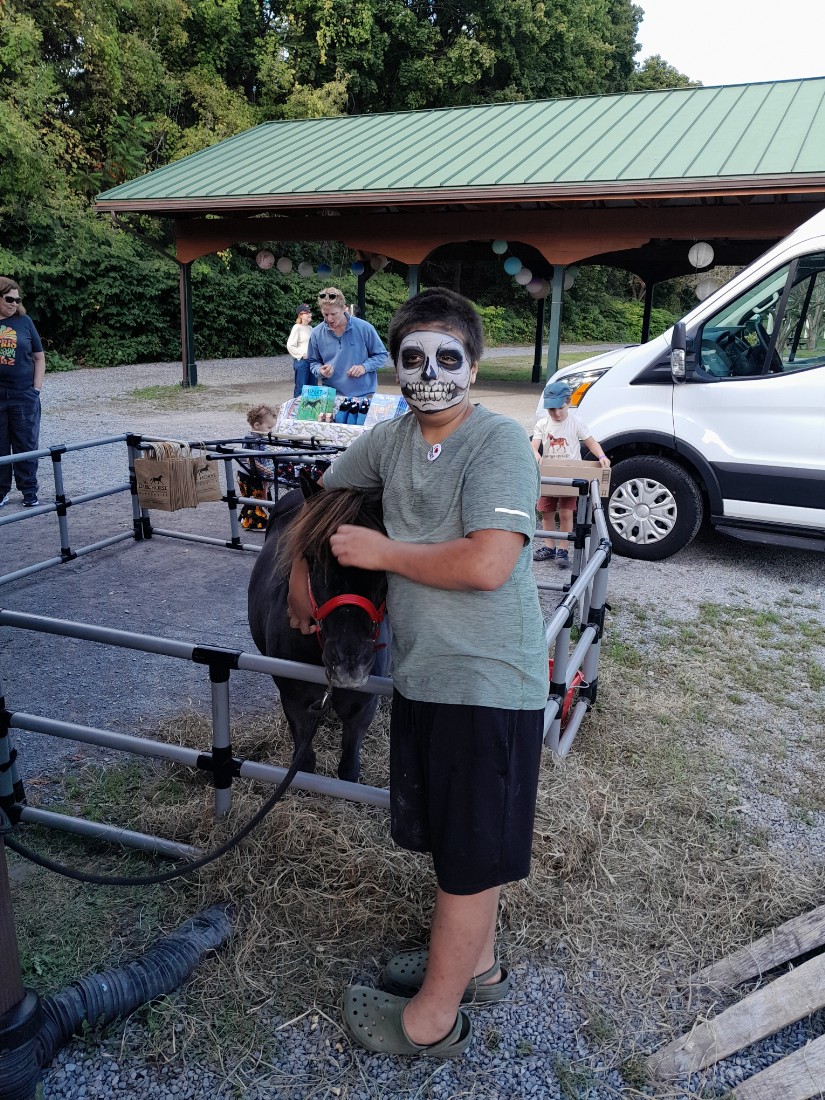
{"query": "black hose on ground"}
pixel 39 1027
pixel 101 998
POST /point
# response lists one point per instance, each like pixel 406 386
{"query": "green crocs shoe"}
pixel 404 975
pixel 374 1020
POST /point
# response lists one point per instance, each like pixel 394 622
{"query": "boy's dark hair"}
pixel 256 412
pixel 438 306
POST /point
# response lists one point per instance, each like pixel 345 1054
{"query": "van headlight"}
pixel 581 381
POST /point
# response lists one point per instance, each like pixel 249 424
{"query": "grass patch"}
pixel 519 368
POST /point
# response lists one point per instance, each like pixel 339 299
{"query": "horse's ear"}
pixel 309 487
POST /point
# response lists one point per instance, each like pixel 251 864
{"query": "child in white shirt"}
pixel 560 435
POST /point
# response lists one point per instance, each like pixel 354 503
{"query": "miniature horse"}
pixel 353 635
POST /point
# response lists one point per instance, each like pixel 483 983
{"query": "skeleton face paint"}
pixel 434 370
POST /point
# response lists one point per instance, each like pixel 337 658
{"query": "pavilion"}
pixel 629 180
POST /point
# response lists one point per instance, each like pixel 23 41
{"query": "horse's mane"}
pixel 322 515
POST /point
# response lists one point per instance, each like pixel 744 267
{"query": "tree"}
pixel 654 72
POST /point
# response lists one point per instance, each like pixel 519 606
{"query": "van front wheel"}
pixel 654 508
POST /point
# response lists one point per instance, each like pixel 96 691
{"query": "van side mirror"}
pixel 677 353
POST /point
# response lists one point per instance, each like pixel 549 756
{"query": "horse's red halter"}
pixel 376 614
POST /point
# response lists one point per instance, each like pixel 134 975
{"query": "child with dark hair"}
pixel 256 475
pixel 459 485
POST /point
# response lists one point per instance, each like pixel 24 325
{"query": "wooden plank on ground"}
pixel 789 998
pixel 799 1076
pixel 788 941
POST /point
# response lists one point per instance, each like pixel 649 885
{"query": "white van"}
pixel 734 428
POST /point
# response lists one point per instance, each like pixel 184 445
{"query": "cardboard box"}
pixel 589 470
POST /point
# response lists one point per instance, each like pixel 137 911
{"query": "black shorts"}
pixel 463 784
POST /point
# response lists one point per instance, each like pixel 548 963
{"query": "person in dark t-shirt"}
pixel 22 369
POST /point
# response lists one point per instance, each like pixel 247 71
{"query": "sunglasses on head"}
pixel 324 295
pixel 12 301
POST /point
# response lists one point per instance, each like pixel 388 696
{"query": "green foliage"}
pixel 615 321
pixel 504 326
pixel 56 362
pixel 98 91
pixel 655 72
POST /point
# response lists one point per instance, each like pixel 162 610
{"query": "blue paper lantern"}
pixel 500 247
pixel 323 269
pixel 357 268
pixel 512 265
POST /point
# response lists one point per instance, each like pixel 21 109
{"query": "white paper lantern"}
pixel 305 269
pixel 378 263
pixel 500 247
pixel 700 255
pixel 570 276
pixel 705 288
pixel 284 265
pixel 543 289
pixel 524 276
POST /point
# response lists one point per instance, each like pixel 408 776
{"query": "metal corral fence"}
pixel 574 633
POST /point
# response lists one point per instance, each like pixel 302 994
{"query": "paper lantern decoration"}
pixel 500 247
pixel 323 269
pixel 700 255
pixel 357 267
pixel 305 269
pixel 542 290
pixel 524 276
pixel 570 276
pixel 284 265
pixel 512 265
pixel 378 263
pixel 264 259
pixel 705 288
pixel 534 285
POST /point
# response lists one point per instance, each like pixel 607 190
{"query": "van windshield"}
pixel 761 332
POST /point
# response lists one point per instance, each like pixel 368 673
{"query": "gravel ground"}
pixel 197 593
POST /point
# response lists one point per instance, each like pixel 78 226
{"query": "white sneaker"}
pixel 5 499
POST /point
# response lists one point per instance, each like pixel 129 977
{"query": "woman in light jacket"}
pixel 296 345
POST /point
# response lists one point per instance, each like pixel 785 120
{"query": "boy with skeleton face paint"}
pixel 469 662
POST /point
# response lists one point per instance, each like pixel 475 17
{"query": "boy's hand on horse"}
pixel 298 605
pixel 360 547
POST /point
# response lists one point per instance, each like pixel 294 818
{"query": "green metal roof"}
pixel 608 144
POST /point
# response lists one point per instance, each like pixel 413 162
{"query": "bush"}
pixel 57 362
pixel 504 326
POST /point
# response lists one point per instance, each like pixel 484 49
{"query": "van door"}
pixel 754 406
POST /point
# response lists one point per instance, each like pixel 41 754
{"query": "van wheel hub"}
pixel 642 510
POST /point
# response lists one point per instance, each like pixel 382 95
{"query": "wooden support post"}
pixel 11 981
pixel 187 339
pixel 536 375
pixel 413 274
pixel 554 334
pixel 647 309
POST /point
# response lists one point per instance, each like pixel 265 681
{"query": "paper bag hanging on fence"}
pixel 166 481
pixel 207 482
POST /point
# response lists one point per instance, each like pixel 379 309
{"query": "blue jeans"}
pixel 19 432
pixel 303 376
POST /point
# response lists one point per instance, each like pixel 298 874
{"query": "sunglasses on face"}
pixel 12 301
pixel 323 296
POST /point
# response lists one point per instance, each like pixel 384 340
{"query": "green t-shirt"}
pixel 471 648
